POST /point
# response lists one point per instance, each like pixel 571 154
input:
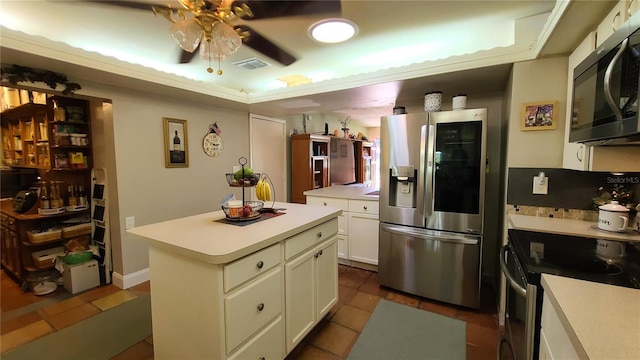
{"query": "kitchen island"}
pixel 228 290
pixel 357 226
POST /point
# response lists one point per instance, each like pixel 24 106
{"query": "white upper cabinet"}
pixel 576 155
pixel 616 17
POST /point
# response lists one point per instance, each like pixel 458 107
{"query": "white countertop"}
pixel 568 227
pixel 353 192
pixel 602 321
pixel 203 238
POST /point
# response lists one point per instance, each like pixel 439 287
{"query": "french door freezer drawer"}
pixel 438 265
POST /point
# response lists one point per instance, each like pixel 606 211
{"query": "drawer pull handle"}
pixel 315 256
pixel 260 264
pixel 365 207
pixel 320 253
pixel 325 203
pixel 261 358
pixel 260 307
pixel 319 233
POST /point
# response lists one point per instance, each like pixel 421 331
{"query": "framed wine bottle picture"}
pixel 176 150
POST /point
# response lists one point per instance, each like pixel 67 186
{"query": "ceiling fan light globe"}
pixel 224 41
pixel 187 33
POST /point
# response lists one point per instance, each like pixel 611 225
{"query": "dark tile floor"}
pixel 333 338
pixel 359 292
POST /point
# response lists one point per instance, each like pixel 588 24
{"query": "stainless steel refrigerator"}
pixel 432 204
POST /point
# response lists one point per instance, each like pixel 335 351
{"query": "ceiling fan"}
pixel 210 24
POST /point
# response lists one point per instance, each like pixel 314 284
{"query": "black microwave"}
pixel 605 91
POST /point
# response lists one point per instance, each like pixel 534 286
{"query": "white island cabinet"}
pixel 235 291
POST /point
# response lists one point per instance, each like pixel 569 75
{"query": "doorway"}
pixel 267 149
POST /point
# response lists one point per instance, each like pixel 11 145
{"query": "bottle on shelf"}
pixel 59 113
pixel 44 196
pixel 54 200
pixel 176 142
pixel 72 200
pixel 82 199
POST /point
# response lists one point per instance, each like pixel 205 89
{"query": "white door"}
pixel 268 151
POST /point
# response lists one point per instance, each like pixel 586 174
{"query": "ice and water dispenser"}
pixel 402 186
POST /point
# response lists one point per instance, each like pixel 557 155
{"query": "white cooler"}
pixel 81 277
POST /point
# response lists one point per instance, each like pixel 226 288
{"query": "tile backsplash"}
pixel 558 213
pixel 570 193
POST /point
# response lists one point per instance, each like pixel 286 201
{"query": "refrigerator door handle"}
pixel 430 172
pixel 422 234
pixel 420 193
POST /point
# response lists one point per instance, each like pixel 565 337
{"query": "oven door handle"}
pixel 510 279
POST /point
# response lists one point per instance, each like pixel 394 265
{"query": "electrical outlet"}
pixel 129 222
pixel 540 186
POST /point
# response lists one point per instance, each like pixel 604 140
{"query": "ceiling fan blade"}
pixel 186 57
pixel 261 44
pixel 267 9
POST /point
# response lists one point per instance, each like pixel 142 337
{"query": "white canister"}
pixel 459 102
pixel 613 217
pixel 433 101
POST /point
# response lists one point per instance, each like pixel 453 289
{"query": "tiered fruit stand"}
pixel 236 210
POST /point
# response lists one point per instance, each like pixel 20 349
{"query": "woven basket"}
pixel 76 230
pixel 42 237
pixel 45 258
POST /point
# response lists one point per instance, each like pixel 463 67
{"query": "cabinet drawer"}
pixel 268 344
pixel 250 266
pixel 332 202
pixel 363 206
pixel 9 222
pixel 306 239
pixel 252 307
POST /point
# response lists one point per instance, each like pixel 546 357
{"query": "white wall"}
pixel 537 80
pixel 146 189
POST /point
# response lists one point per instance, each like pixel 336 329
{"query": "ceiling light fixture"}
pixel 333 30
pixel 207 24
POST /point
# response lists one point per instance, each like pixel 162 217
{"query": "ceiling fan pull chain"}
pixel 219 70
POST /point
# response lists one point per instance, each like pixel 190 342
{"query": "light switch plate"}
pixel 129 222
pixel 540 188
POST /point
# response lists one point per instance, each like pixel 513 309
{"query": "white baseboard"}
pixel 127 281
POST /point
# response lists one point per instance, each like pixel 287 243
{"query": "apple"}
pixel 246 210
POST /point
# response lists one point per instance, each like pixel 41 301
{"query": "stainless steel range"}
pixel 528 255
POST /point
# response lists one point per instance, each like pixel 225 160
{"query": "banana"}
pixel 260 189
pixel 267 190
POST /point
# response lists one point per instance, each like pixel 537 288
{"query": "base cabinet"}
pixel 308 301
pixel 245 309
pixel 10 251
pixel 554 340
pixel 363 227
pixel 357 229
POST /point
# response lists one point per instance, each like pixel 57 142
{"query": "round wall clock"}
pixel 212 144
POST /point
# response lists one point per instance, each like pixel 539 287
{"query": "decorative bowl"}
pixel 249 211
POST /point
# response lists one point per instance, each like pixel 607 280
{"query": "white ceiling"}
pixel 402 49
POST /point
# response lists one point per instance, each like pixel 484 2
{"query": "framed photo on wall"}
pixel 176 149
pixel 539 115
